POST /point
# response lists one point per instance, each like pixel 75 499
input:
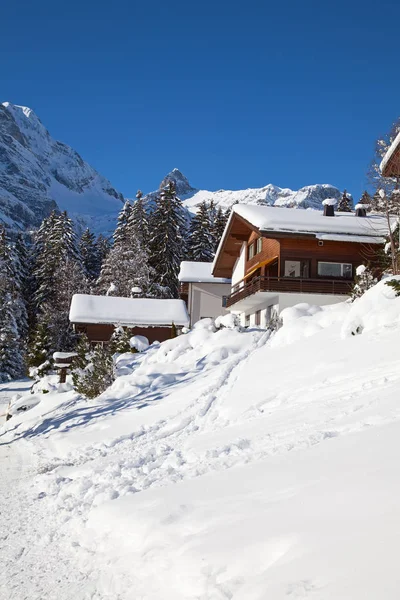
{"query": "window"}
pixel 259 245
pixel 247 321
pixel 258 317
pixel 297 268
pixel 331 269
pixel 224 301
pixel 250 252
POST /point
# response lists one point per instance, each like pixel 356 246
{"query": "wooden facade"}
pixel 265 261
pixel 99 333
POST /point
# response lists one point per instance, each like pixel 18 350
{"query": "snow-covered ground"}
pixel 219 465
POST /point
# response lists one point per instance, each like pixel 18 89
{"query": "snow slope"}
pixel 37 173
pixel 220 465
pixel 310 196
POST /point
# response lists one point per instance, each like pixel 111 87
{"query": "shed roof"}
pixel 131 312
pixel 199 272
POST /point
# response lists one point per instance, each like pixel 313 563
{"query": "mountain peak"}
pixel 182 184
pixel 39 173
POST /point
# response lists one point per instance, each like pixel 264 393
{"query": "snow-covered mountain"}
pixel 38 173
pixel 310 196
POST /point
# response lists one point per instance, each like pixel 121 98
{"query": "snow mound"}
pixel 305 320
pixel 377 309
pixel 139 343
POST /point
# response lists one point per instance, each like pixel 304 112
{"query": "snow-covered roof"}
pixel 392 149
pixel 200 272
pixel 128 311
pixel 289 220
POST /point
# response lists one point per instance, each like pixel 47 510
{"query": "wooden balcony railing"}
pixel 291 284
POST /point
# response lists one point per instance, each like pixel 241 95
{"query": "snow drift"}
pixel 223 464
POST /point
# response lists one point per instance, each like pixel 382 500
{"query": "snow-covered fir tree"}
pixel 139 221
pixel 345 204
pixel 89 254
pixel 200 244
pixel 103 246
pixel 168 231
pixel 126 270
pixel 12 337
pixel 121 231
pixel 59 275
pixel 366 200
pixel 220 220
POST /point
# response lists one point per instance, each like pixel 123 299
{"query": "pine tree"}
pixel 119 342
pixel 103 246
pixel 220 221
pixel 366 200
pixel 59 275
pixel 125 271
pixel 39 356
pixel 121 232
pixel 139 221
pixel 345 204
pixel 13 321
pixel 200 245
pixel 97 376
pixel 89 255
pixel 11 361
pixel 168 228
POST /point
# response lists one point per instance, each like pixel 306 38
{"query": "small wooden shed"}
pixel 98 316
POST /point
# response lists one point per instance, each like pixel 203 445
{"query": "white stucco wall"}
pixel 285 300
pixel 205 300
pixel 238 269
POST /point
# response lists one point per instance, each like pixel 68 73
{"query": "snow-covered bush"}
pixel 120 341
pixel 138 343
pixel 97 376
pixel 364 281
pixel 230 321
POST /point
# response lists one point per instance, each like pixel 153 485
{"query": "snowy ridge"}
pixel 38 173
pixel 310 196
pixel 222 464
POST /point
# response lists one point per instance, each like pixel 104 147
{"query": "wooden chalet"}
pixel 278 257
pixel 98 316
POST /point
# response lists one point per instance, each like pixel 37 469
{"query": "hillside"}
pixel 38 173
pixel 221 464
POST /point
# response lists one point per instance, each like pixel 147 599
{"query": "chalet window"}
pixel 331 269
pixel 258 317
pixel 247 321
pixel 297 268
pixel 250 252
pixel 224 301
pixel 259 245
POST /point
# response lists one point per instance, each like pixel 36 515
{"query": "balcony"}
pixel 270 285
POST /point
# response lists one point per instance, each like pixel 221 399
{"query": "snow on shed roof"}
pixel 200 272
pixel 289 220
pixel 128 311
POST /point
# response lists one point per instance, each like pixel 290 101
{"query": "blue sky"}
pixel 235 94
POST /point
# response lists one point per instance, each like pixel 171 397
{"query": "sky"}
pixel 234 94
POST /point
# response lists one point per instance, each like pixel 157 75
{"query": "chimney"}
pixel 329 207
pixel 361 210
